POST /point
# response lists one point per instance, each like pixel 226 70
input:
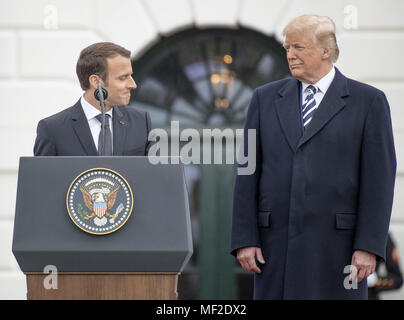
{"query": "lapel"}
pixel 329 106
pixel 82 130
pixel 120 124
pixel 287 108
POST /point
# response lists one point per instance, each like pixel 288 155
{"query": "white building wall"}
pixel 40 41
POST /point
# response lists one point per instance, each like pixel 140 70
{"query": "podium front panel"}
pixel 155 238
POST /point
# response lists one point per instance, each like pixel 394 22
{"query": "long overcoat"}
pixel 316 195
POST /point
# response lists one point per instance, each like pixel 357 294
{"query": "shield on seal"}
pixel 100 208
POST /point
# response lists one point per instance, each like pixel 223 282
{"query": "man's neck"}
pixel 322 73
pixel 89 97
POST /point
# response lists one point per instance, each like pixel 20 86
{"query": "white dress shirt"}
pixel 322 85
pixel 95 126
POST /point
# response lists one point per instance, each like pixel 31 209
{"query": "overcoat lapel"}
pixel 287 107
pixel 82 130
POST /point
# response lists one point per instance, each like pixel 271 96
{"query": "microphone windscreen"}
pixel 97 95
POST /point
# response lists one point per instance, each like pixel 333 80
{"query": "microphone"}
pixel 101 98
pixel 97 92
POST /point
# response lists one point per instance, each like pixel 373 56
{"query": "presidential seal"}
pixel 99 201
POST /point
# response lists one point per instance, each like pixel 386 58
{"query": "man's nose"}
pixel 290 55
pixel 132 84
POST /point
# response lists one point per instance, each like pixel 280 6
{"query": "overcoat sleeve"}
pixel 377 177
pixel 244 223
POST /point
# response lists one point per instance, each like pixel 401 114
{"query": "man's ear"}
pixel 326 53
pixel 94 80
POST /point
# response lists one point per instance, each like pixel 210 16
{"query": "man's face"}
pixel 305 59
pixel 120 81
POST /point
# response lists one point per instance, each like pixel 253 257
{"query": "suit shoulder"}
pixel 273 86
pixel 135 114
pixel 60 116
pixel 133 111
pixel 367 97
pixel 364 89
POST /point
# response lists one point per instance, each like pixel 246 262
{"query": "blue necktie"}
pixel 309 105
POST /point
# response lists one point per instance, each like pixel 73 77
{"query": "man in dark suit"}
pixel 319 203
pixel 76 131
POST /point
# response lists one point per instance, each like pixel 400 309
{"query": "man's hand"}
pixel 364 262
pixel 246 257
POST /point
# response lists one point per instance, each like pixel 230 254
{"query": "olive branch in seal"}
pixel 82 213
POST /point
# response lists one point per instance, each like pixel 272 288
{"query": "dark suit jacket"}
pixel 316 196
pixel 67 133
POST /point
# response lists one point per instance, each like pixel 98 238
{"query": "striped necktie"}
pixel 309 105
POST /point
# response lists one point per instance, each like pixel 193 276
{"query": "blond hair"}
pixel 323 29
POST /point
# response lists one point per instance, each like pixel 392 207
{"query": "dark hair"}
pixel 93 60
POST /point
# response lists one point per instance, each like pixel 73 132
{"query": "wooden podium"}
pixel 104 286
pixel 141 260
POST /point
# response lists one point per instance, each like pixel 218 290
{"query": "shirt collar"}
pixel 89 110
pixel 324 83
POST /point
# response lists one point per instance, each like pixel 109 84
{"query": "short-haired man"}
pixel 76 131
pixel 319 202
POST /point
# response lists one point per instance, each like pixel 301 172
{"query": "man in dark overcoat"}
pixel 313 218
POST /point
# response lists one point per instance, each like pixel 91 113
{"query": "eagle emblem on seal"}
pixel 99 203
